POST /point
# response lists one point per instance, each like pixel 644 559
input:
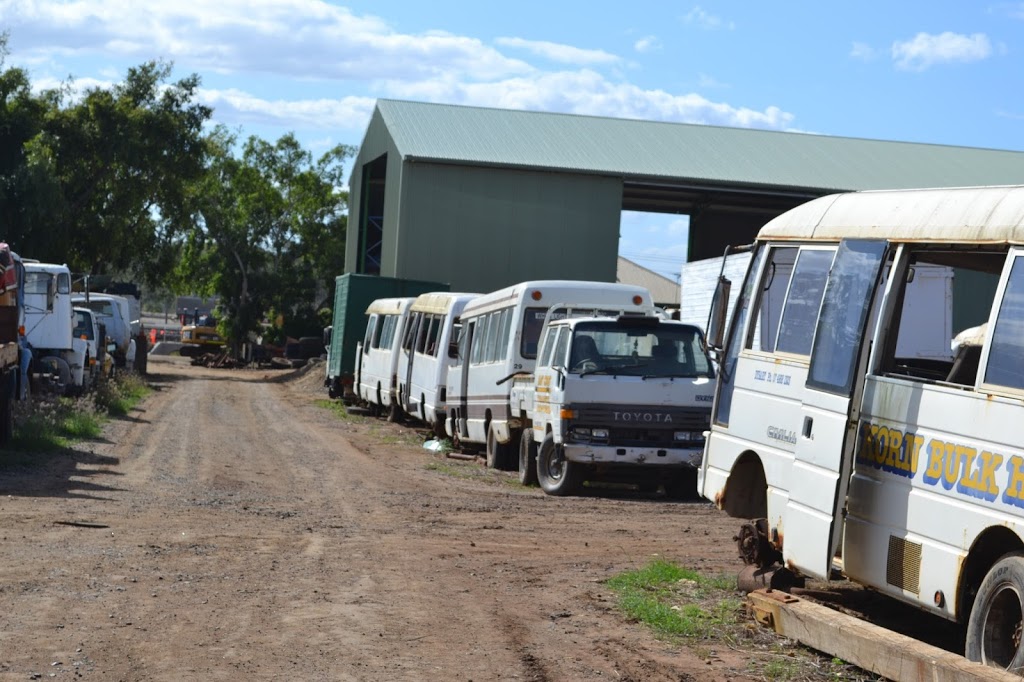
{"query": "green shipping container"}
pixel 352 296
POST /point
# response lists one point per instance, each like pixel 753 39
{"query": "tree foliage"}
pixel 125 179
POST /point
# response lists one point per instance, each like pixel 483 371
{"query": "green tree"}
pixel 117 168
pixel 269 233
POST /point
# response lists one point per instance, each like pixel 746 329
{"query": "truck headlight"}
pixel 580 432
pixel 601 434
pixel 686 436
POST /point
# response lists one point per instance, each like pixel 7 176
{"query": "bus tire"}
pixel 527 457
pixel 994 627
pixel 557 475
pixel 395 413
pixel 498 454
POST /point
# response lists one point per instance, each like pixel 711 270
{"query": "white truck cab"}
pixel 626 397
pixel 49 321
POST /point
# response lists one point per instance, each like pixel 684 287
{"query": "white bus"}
pixel 500 331
pixel 425 358
pixel 849 451
pixel 376 367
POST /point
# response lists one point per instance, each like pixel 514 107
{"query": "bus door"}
pixel 824 449
pixel 465 346
pixel 408 356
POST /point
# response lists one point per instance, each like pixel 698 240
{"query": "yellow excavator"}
pixel 199 335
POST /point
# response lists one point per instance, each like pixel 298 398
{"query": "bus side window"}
pixel 770 299
pixel 1006 359
pixel 923 339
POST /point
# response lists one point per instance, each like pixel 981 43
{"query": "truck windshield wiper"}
pixel 612 369
pixel 669 376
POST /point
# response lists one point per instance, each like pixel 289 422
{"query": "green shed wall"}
pixel 485 228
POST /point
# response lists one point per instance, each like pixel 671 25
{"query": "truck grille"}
pixel 643 426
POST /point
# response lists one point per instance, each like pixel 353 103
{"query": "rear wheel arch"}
pixel 989 547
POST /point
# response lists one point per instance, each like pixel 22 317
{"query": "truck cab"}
pixel 626 398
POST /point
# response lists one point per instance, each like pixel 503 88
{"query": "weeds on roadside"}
pixel 706 612
pixel 339 408
pixel 55 423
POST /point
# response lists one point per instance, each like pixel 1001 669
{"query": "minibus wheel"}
pixel 557 475
pixel 994 630
pixel 498 454
pixel 527 457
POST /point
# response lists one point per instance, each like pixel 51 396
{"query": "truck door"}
pixel 824 449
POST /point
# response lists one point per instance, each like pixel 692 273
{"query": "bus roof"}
pixel 548 292
pixel 980 215
pixel 439 302
pixel 386 306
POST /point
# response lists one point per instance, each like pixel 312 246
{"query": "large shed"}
pixel 483 198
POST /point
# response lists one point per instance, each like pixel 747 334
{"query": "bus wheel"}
pixel 994 628
pixel 557 475
pixel 395 413
pixel 527 457
pixel 497 453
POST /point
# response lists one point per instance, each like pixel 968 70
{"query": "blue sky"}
pixel 942 71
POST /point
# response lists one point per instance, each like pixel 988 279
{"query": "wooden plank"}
pixel 868 646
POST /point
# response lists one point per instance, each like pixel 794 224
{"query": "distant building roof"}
pixel 663 290
pixel 703 154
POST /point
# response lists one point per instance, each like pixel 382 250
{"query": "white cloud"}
pixel 557 52
pixel 700 18
pixel 587 92
pixel 296 38
pixel 925 50
pixel 647 44
pixel 863 51
pixel 347 113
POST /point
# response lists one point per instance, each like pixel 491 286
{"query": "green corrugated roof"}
pixel 655 150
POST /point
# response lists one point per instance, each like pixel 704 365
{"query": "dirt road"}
pixel 232 529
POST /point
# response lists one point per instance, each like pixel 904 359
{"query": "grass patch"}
pixel 676 601
pixel 337 407
pixel 707 614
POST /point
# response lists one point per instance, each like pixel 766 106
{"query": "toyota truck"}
pixel 625 398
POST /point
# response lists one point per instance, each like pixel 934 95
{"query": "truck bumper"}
pixel 586 453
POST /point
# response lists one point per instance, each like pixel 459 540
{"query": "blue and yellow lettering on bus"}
pixel 970 471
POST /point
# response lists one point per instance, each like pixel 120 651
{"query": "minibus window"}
pixel 506 329
pixel 533 322
pixel 770 300
pixel 727 373
pixel 1006 359
pixel 479 332
pixel 800 315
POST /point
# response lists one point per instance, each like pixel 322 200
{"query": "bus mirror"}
pixel 716 319
pixel 453 350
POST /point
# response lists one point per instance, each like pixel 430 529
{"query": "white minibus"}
pixel 498 340
pixel 848 449
pixel 376 367
pixel 424 358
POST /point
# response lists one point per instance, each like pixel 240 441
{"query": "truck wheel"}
pixel 994 627
pixel 527 457
pixel 498 454
pixel 6 421
pixel 395 413
pixel 682 485
pixel 557 475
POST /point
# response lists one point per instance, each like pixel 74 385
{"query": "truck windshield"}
pixel 639 349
